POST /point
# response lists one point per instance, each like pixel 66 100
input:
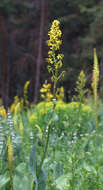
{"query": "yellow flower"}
pixel 10 154
pixel 16 100
pixel 84 107
pixel 12 108
pixel 46 92
pixel 95 86
pixel 21 103
pixel 26 85
pixel 43 90
pixel 3 112
pixel 42 96
pixel 49 96
pixel 55 33
pixel 17 108
pixel 60 106
pixel 60 56
pixel 54 59
pixel 60 93
pixel 26 93
pixel 10 160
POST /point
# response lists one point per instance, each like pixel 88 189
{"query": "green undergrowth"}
pixel 72 116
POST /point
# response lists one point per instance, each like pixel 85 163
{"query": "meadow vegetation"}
pixel 54 145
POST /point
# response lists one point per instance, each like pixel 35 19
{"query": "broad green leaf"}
pixel 61 182
pixel 4 179
pixel 59 170
pixel 42 180
pixel 33 164
pixel 22 178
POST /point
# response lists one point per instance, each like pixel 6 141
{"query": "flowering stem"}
pixel 11 180
pixel 54 90
pixel 10 161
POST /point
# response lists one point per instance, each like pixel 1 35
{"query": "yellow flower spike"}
pixel 46 92
pixel 21 128
pixel 80 88
pixel 60 94
pixel 26 85
pixel 3 112
pixel 26 92
pixel 12 108
pixel 17 108
pixel 16 100
pixel 42 90
pixel 54 58
pixel 95 86
pixel 21 103
pixel 10 160
pixel 42 96
pixel 10 154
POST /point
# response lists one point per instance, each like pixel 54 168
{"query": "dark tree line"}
pixel 23 33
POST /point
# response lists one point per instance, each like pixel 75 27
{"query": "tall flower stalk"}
pixel 10 161
pixel 26 102
pixel 55 59
pixel 55 63
pixel 95 87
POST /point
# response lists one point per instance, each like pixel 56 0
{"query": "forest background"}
pixel 24 29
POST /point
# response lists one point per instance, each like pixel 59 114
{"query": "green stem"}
pixel 73 173
pixel 54 90
pixel 11 180
pixel 48 134
pixel 45 151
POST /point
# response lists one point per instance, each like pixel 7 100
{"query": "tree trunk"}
pixel 3 59
pixel 39 58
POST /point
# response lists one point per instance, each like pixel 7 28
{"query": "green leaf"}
pixel 33 164
pixel 61 182
pixel 54 116
pixel 42 180
pixel 59 170
pixel 4 179
pixel 22 178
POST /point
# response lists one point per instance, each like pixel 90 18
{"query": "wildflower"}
pixel 21 128
pixel 26 93
pixel 21 103
pixel 10 160
pixel 54 42
pixel 17 108
pixel 80 85
pixel 74 138
pixel 84 108
pixel 46 92
pixel 13 106
pixel 16 100
pixel 95 86
pixel 3 112
pixel 31 135
pixel 10 153
pixel 60 93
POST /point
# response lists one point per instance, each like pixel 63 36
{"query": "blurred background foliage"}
pixel 23 50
